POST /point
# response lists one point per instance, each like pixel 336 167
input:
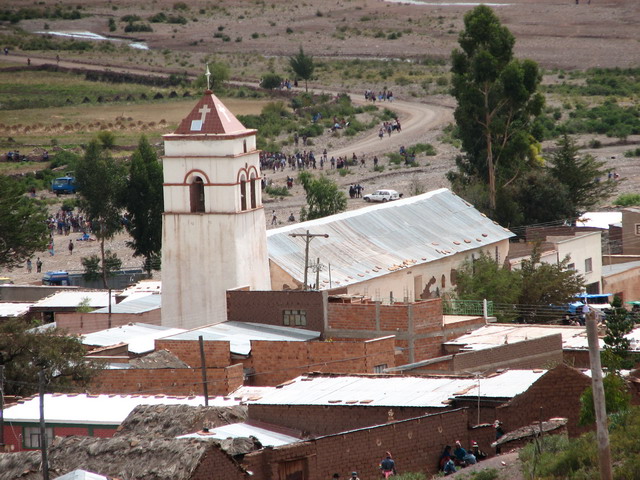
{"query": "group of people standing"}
pixel 381 96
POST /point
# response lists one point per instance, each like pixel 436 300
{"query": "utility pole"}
pixel 205 386
pixel 307 238
pixel 1 408
pixel 43 430
pixel 602 432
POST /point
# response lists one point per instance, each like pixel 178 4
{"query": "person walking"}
pixel 38 265
pixel 29 265
pixel 70 247
pixel 274 218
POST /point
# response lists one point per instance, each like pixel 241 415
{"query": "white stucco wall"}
pixel 579 249
pixel 205 255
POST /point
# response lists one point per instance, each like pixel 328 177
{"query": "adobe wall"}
pixel 331 419
pixel 624 284
pixel 13 433
pixel 555 394
pixel 217 353
pixel 29 293
pixel 577 358
pixel 415 444
pixel 276 362
pixel 82 323
pixel 170 381
pixel 268 306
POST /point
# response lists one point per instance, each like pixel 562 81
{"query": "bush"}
pixel 271 81
pixel 138 27
pixel 277 191
pixel 107 139
pixel 627 200
pixel 632 153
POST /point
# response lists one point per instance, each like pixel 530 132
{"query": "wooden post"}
pixel 43 430
pixel 205 386
pixel 604 453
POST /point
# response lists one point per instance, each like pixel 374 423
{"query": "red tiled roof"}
pixel 210 116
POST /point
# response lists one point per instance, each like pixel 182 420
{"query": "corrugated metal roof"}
pixel 616 268
pixel 14 309
pixel 148 286
pixel 370 242
pixel 139 304
pixel 267 438
pixel 240 334
pixel 73 298
pixel 140 337
pixel 112 409
pixel 599 219
pixel 396 391
pixel 494 335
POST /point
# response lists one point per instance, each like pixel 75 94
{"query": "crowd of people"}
pixel 384 95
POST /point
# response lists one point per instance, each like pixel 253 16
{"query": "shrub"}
pixel 271 81
pixel 138 27
pixel 632 153
pixel 131 18
pixel 277 191
pixel 628 200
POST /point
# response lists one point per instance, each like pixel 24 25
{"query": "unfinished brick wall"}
pixel 277 362
pixel 577 358
pixel 217 353
pixel 415 444
pixel 555 394
pixel 170 381
pixel 268 306
pixel 83 323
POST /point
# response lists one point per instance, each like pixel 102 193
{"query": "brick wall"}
pixel 577 358
pixel 555 394
pixel 331 419
pixel 277 362
pixel 178 381
pixel 415 444
pixel 267 307
pixel 217 354
pixel 217 464
pixel 79 323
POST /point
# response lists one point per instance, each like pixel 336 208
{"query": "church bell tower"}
pixel 213 229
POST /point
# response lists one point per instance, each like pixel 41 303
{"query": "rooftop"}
pixel 373 241
pixel 140 337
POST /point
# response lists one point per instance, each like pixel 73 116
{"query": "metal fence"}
pixel 466 307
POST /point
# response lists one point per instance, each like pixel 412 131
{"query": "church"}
pixel 215 238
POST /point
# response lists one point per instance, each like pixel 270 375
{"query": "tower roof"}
pixel 210 116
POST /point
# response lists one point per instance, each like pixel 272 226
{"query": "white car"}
pixel 382 196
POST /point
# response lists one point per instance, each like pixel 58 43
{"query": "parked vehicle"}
pixel 64 185
pixel 382 196
pixel 119 280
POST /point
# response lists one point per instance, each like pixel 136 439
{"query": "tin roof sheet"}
pixel 140 337
pixel 267 438
pixel 141 303
pixel 16 309
pixel 396 391
pixel 494 335
pixel 73 298
pixel 111 409
pixel 240 334
pixel 370 242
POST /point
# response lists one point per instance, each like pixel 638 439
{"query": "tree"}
pixel 544 285
pixel 219 74
pixel 497 101
pixel 24 352
pixel 526 293
pixel 101 182
pixel 144 204
pixel 616 345
pixel 323 196
pixel 584 177
pixel 271 81
pixel 23 224
pixel 303 66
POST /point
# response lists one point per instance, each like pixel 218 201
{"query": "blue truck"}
pixel 65 184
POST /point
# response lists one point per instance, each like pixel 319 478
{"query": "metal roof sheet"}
pixel 140 337
pixel 149 286
pixel 396 391
pixel 495 335
pixel 370 242
pixel 111 409
pixel 14 309
pixel 240 334
pixel 267 438
pixel 618 268
pixel 599 219
pixel 139 304
pixel 73 298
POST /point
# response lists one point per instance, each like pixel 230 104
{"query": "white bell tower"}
pixel 213 230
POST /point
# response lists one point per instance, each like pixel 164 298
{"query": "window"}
pixel 571 266
pixel 379 368
pixel 31 436
pixel 588 267
pixel 253 190
pixel 196 194
pixel 243 194
pixel 637 228
pixel 296 318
